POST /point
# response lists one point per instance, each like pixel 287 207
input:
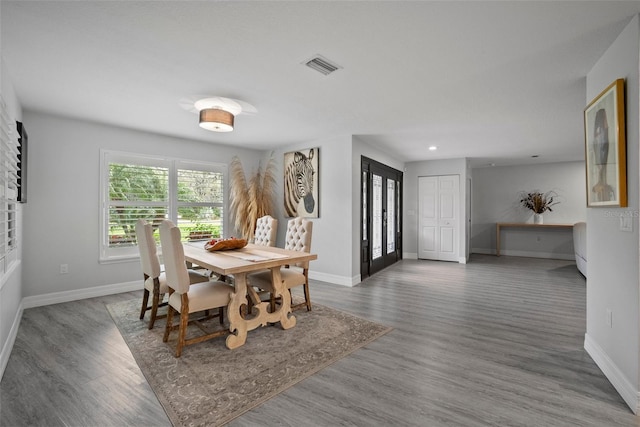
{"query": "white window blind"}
pixel 189 193
pixel 8 187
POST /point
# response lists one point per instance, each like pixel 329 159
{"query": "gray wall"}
pixel 62 214
pixel 495 199
pixel 612 255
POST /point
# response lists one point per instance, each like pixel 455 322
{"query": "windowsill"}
pixel 119 260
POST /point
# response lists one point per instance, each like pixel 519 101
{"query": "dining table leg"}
pixel 240 325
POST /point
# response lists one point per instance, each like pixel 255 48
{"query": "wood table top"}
pixel 250 258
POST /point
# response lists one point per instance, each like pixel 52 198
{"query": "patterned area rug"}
pixel 211 385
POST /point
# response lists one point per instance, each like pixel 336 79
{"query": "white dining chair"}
pixel 155 282
pixel 298 238
pixel 187 298
pixel 266 231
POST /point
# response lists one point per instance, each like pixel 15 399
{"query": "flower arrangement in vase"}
pixel 538 202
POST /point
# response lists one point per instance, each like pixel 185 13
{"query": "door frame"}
pixel 368 266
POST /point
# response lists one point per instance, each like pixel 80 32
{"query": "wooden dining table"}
pixel 239 263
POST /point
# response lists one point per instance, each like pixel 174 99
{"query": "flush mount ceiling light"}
pixel 216 119
pixel 216 113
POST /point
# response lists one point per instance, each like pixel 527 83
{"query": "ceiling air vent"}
pixel 322 65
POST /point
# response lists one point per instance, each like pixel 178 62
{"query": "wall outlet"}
pixel 609 319
pixel 64 268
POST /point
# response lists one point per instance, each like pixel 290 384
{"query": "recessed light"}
pixel 433 148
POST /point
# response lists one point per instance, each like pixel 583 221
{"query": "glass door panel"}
pixel 364 206
pixel 391 224
pixel 376 217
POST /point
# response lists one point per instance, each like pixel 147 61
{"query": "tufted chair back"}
pixel 298 237
pixel 266 229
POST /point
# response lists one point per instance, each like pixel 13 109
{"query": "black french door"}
pixel 381 216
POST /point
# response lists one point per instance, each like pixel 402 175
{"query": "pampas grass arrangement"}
pixel 253 198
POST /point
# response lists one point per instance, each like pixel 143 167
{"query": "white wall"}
pixel 336 232
pixel 613 277
pixel 332 229
pixel 496 199
pixel 431 168
pixel 62 214
pixel 10 281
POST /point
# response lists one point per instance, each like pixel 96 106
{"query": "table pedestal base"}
pixel 239 326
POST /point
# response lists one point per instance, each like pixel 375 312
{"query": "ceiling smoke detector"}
pixel 321 65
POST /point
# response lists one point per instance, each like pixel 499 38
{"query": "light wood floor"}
pixel 496 342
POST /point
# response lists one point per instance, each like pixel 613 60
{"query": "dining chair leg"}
pixel 167 327
pixel 307 297
pixel 221 315
pixel 272 302
pixel 184 322
pixel 249 306
pixel 145 301
pixel 155 302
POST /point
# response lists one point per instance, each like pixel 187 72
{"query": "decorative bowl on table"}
pixel 225 244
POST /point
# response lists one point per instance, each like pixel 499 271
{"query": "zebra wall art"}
pixel 301 183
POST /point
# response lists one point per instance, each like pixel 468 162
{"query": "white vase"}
pixel 537 218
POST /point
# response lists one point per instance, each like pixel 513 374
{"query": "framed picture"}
pixel 301 176
pixel 605 148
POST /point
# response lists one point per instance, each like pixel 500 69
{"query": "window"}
pixel 9 140
pixel 189 193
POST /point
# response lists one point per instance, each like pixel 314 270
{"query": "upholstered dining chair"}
pixel 298 238
pixel 155 282
pixel 266 231
pixel 187 298
pixel 264 235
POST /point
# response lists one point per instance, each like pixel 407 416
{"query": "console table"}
pixel 500 225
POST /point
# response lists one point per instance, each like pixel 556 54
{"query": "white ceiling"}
pixel 496 82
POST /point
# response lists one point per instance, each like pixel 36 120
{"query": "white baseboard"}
pixel 66 296
pixel 414 255
pixel 626 390
pixel 99 291
pixel 11 339
pixel 528 254
pixel 334 278
pixel 483 251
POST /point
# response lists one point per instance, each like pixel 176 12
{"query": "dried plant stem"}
pixel 253 199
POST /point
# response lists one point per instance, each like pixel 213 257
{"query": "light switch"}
pixel 626 224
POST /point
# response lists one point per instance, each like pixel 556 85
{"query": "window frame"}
pixel 9 143
pixel 120 254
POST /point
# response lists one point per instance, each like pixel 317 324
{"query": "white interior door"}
pixel 438 217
